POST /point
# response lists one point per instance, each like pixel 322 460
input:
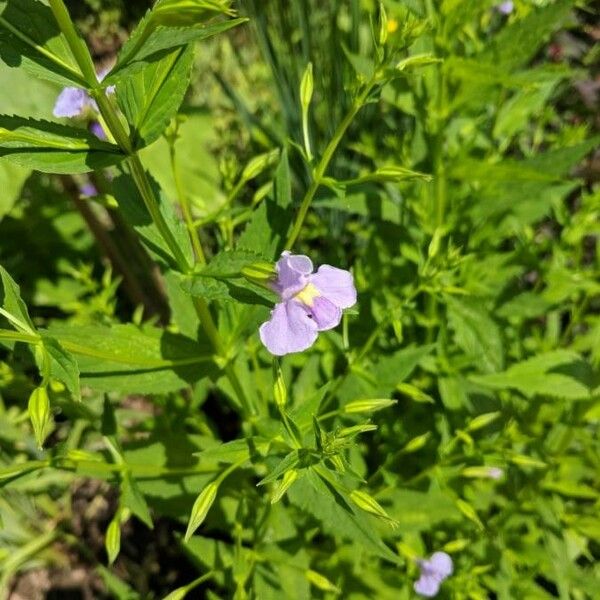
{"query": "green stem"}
pixel 78 48
pixel 17 336
pixel 321 168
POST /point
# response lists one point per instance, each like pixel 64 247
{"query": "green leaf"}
pixel 30 38
pixel 132 498
pixel 151 97
pixel 230 263
pixel 136 214
pixel 558 374
pixel 336 514
pixel 265 233
pixel 516 44
pixel 170 24
pixel 476 333
pixel 53 148
pixel 127 359
pixel 391 370
pixel 63 365
pixel 12 303
pixel 12 179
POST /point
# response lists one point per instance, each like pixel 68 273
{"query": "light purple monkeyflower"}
pixel 72 101
pixel 88 190
pixel 310 302
pixel 506 7
pixel 433 571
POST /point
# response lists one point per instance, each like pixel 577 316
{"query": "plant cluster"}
pixel 299 300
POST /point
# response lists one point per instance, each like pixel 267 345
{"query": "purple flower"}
pixel 310 302
pixel 71 102
pixel 505 7
pixel 97 130
pixel 88 190
pixel 433 572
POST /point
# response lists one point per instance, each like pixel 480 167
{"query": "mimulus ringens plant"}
pixel 310 302
pixel 433 572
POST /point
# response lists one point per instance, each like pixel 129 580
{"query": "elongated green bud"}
pixel 469 512
pixel 282 487
pixel 383 25
pixel 482 421
pixel 258 164
pixel 306 94
pixel 112 541
pixel 416 443
pixel 356 430
pixel 201 507
pixel 39 414
pixel 367 503
pixel 418 60
pixel 259 272
pixel 368 406
pixel 321 582
pixel 279 388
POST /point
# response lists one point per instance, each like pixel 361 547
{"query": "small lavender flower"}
pixel 97 130
pixel 310 302
pixel 505 7
pixel 88 190
pixel 72 101
pixel 433 572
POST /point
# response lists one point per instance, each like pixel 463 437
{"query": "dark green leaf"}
pixel 30 38
pixel 132 360
pixel 53 148
pixel 151 97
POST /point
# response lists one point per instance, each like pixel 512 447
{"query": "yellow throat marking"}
pixel 308 294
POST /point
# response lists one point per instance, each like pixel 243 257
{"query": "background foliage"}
pixel 463 195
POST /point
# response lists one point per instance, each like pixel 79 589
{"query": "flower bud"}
pixel 367 406
pixel 282 487
pixel 39 414
pixel 201 507
pixel 367 503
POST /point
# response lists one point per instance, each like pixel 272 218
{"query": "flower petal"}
pixel 290 329
pixel 70 102
pixel 427 586
pixel 292 274
pixel 336 285
pixel 325 313
pixel 440 564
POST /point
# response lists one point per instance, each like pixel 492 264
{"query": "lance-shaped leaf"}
pixel 11 303
pixel 63 365
pixel 151 97
pixel 30 38
pixel 171 24
pixel 128 359
pixel 53 148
